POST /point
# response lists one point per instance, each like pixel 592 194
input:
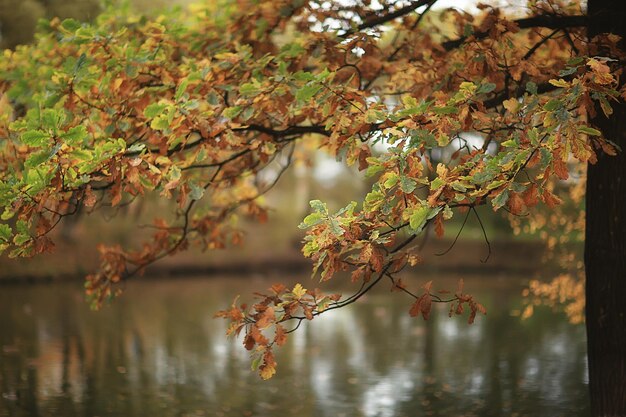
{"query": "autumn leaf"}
pixel 268 368
pixel 516 204
pixel 298 291
pixel 550 199
pixel 281 336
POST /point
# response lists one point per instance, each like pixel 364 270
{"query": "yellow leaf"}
pixel 298 291
pixel 511 104
pixel 559 83
pixel 268 369
pixel 117 83
pixel 267 372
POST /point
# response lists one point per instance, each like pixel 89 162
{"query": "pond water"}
pixel 157 351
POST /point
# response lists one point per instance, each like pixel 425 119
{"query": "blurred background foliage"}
pixel 18 18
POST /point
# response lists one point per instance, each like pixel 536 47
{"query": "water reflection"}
pixel 157 352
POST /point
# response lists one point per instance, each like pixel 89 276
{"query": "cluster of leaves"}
pixel 196 107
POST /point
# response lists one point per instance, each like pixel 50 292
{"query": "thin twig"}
pixel 482 227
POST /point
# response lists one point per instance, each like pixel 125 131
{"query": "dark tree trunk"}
pixel 605 245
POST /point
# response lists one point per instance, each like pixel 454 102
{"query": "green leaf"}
pixel 437 183
pixel 51 119
pixel 20 239
pixel 5 232
pixel 373 200
pixel 71 25
pixel 552 105
pixel 443 140
pixel 303 76
pixel 248 89
pixel 576 61
pixel 231 112
pixel 196 191
pixel 391 181
pixel 80 63
pixel 7 214
pixel 35 138
pixel 37 159
pixel 312 220
pixel 567 71
pixel 160 123
pixel 310 248
pixel 292 50
pixel 459 187
pixel 74 135
pixel 323 304
pixel 82 154
pixel 180 90
pixel 373 170
pixel 407 185
pixel 589 131
pixel 256 362
pixel 174 173
pixel 136 147
pixel 420 216
pixel 22 227
pixel 486 88
pixel 495 184
pixel 307 92
pixel 500 200
pixel 531 87
pixel 154 109
pixel 445 110
pixel 409 101
pixel 318 206
pixel 335 227
pixel 417 220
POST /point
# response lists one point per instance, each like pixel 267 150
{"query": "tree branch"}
pixel 382 19
pixel 546 21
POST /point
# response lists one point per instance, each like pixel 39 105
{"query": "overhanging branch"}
pixel 545 21
pixel 389 16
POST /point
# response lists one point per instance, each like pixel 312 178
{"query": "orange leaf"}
pixel 356 275
pixel 550 199
pixel 377 260
pixel 439 230
pixel 560 168
pixel 516 203
pixel 278 288
pixel 416 308
pixel 258 337
pixel 248 342
pixel 89 198
pixel 281 335
pixel 531 196
pixel 266 319
pixel 268 369
pixel 426 306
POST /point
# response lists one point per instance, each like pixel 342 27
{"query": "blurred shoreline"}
pixel 65 264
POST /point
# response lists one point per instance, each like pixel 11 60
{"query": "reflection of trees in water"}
pixel 158 349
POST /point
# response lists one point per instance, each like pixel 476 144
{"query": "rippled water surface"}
pixel 157 351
